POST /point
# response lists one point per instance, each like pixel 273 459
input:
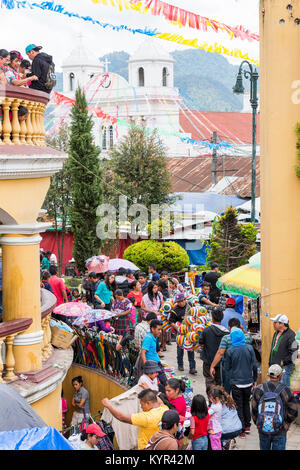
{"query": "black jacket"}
pixel 240 364
pixel 287 346
pixel 210 338
pixel 40 67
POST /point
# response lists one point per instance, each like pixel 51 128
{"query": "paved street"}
pixel 251 442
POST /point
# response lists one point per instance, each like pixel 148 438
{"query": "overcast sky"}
pixel 59 34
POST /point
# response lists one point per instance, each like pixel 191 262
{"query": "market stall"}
pixel 246 281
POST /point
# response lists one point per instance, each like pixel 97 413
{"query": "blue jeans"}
pixel 191 358
pixel 272 442
pixel 200 444
pixel 287 372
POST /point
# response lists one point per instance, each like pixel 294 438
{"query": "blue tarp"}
pixel 207 202
pixel 197 257
pixel 46 438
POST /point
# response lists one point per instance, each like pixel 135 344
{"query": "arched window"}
pixel 111 136
pixel 164 76
pixel 104 140
pixel 72 81
pixel 141 77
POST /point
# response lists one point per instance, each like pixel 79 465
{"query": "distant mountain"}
pixel 204 79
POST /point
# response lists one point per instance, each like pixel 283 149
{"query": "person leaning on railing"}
pixel 12 74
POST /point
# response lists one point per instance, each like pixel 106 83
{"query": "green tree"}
pixel 58 199
pixel 232 243
pixel 86 184
pixel 167 256
pixel 137 168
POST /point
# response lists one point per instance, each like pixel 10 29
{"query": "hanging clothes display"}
pixel 128 403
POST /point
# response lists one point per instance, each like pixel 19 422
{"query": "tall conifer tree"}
pixel 86 184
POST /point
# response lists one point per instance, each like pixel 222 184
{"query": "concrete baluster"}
pixel 16 128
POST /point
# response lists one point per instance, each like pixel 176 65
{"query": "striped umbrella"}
pixel 245 280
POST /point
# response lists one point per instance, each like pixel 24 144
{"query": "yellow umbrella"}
pixel 244 280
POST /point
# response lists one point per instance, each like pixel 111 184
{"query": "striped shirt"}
pixel 226 342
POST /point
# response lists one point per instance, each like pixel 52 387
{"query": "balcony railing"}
pixel 27 132
pixel 8 331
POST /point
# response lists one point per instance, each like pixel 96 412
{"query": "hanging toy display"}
pixel 165 315
pixel 189 331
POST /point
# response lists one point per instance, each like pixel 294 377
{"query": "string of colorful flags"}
pixel 57 8
pixel 180 17
pixel 60 99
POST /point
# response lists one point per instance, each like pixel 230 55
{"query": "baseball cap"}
pixel 280 318
pixel 230 302
pixel 170 418
pixel 32 46
pixel 94 429
pixel 274 371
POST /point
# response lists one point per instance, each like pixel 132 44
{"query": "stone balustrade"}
pixel 8 331
pixel 27 132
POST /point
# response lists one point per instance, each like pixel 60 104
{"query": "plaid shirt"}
pixel 288 400
pixel 140 332
pixel 121 324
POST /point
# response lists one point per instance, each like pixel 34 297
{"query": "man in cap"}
pixel 274 441
pixel 230 312
pixel 178 313
pixel 42 67
pixel 284 347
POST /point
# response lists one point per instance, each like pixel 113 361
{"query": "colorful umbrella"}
pixel 97 264
pixel 245 280
pixel 117 263
pixel 92 317
pixel 72 309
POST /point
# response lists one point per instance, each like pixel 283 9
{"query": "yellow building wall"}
pixel 22 199
pixel 280 187
pixel 98 386
pixel 49 409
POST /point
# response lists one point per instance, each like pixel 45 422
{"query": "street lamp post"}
pixel 239 89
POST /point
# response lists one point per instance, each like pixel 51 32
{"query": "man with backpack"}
pixel 43 68
pixel 274 408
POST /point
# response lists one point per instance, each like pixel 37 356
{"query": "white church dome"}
pixel 83 57
pixel 151 49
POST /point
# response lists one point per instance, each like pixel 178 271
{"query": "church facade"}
pixel 148 98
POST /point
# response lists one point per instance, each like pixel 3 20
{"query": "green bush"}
pixel 167 256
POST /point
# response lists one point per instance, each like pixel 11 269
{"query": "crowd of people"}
pixel 37 73
pixel 229 365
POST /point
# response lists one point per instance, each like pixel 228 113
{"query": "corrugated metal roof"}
pixel 194 174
